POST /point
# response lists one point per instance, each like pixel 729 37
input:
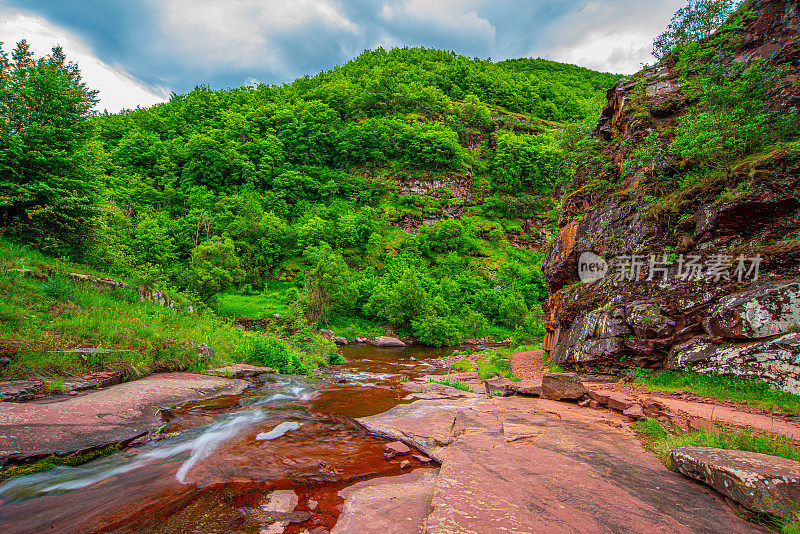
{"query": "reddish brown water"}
pixel 228 454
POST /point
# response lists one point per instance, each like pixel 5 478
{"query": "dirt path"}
pixel 113 415
pixel 528 365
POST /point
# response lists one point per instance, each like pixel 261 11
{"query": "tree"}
pixel 214 268
pixel 49 188
pixel 329 284
pixel 696 21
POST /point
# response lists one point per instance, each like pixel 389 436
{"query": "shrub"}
pixel 59 287
pixel 437 331
pixel 274 353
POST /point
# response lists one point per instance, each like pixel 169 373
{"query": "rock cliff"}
pixel 680 286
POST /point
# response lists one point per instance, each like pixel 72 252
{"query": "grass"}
pixel 41 319
pixel 458 384
pixel 755 393
pixel 659 440
pixel 275 298
pixel 463 366
pixel 550 364
pixel 54 385
pixel 354 326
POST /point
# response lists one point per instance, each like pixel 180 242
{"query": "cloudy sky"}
pixel 138 51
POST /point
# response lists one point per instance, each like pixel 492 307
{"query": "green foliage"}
pixel 59 287
pixel 274 353
pixel 696 21
pixel 48 178
pixel 754 392
pixel 215 267
pixel 437 331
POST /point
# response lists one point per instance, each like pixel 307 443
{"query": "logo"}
pixel 591 267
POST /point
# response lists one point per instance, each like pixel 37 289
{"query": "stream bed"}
pixel 221 458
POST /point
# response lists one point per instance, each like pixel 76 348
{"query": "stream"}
pixel 223 457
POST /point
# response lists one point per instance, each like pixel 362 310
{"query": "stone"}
pixel 327 334
pixel 339 340
pixel 405 464
pixel 612 324
pixel 653 405
pixel 620 402
pixel 759 482
pixel 527 388
pixel 499 387
pixel 240 370
pixel 396 448
pixel 19 390
pixel 598 349
pixel 280 502
pixel 386 342
pixel 647 321
pixel 562 386
pixel 396 504
pixel 600 395
pixel 769 309
pixel 421 458
pixel 118 414
pixel 584 403
pixel 594 405
pixel 516 431
pixel 634 411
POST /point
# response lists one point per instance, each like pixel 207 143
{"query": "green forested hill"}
pixel 383 191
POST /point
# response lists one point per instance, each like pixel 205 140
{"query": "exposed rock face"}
pixel 760 482
pixel 644 315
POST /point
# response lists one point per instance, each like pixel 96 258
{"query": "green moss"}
pixel 53 461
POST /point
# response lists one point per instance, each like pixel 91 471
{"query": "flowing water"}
pixel 223 457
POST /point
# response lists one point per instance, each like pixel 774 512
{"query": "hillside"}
pixel 690 194
pixel 407 190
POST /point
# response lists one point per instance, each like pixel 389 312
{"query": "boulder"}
pixel 635 412
pixel 386 341
pixel 499 387
pixel 562 386
pixel 527 388
pixel 339 340
pixel 620 402
pixel 327 334
pixel 612 324
pixel 759 482
pixel 600 395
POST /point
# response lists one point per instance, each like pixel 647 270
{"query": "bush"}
pixel 59 287
pixel 437 331
pixel 274 353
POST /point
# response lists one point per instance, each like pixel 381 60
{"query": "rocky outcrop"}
pixel 562 386
pixel 693 279
pixel 759 482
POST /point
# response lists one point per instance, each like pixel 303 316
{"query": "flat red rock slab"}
pixel 531 465
pixel 114 415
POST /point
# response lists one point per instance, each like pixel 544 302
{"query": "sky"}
pixel 137 52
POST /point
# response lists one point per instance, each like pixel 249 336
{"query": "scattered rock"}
pixel 620 402
pixel 19 390
pixel 527 388
pixel 405 464
pixel 634 412
pixel 385 341
pixel 339 340
pixel 327 334
pixel 280 502
pixel 499 387
pixel 396 448
pixel 584 403
pixel 421 458
pixel 562 386
pixel 760 482
pixel 593 404
pixel 599 395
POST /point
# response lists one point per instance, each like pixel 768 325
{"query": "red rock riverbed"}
pixel 222 458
